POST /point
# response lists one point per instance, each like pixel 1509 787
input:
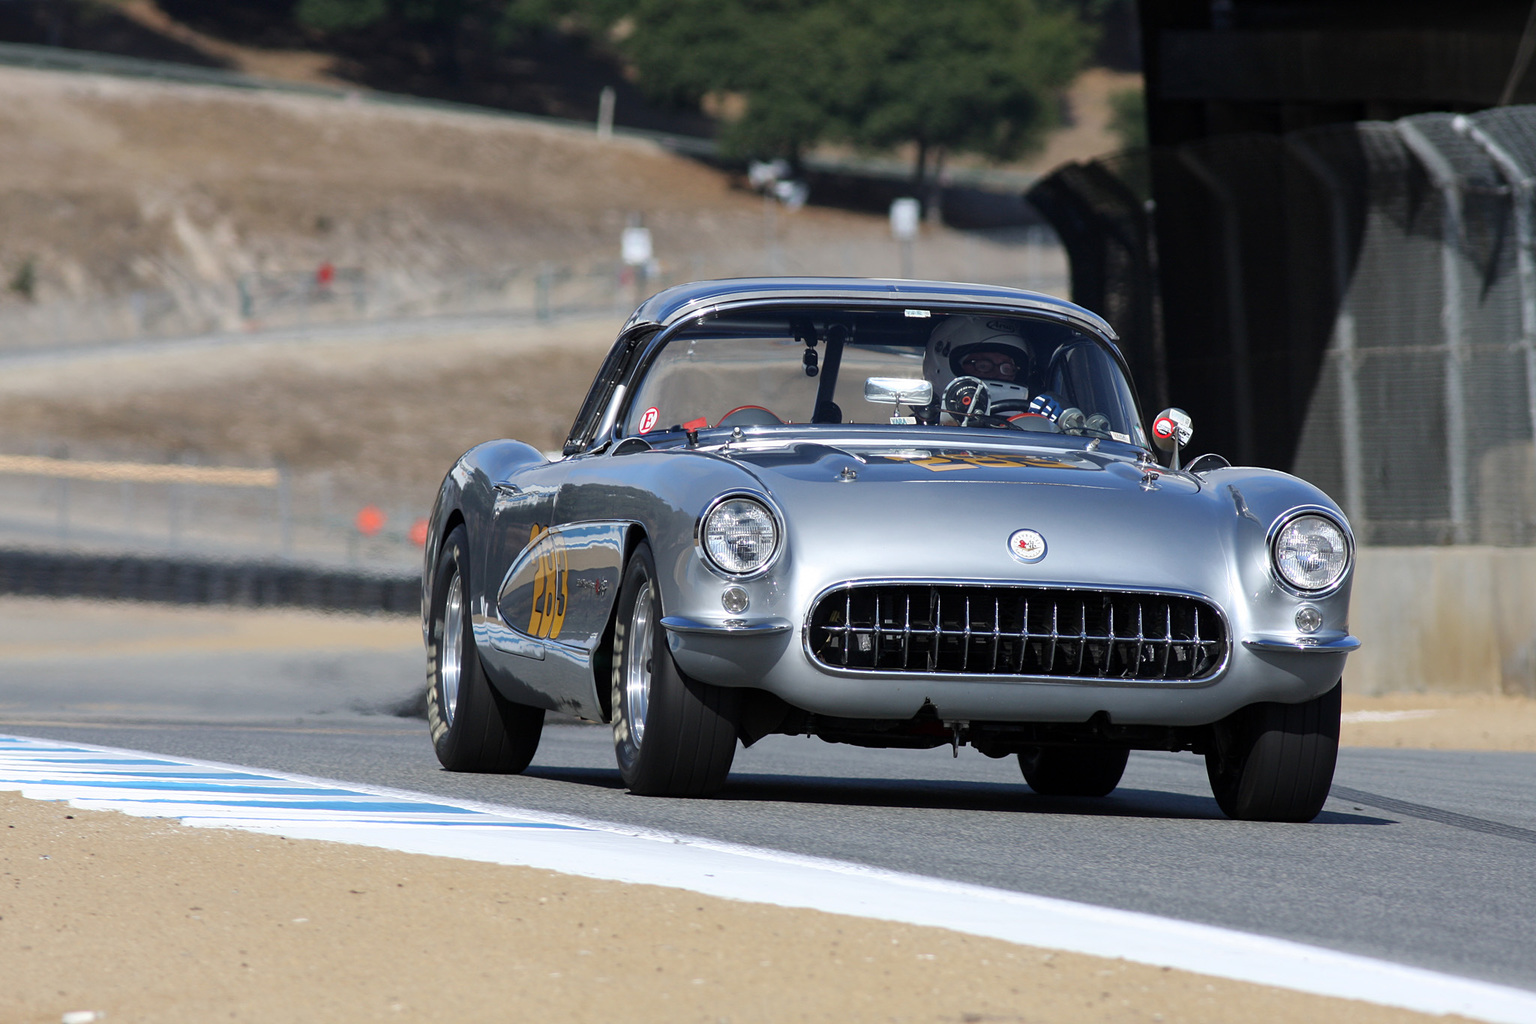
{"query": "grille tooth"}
pixel 1050 659
pixel 1023 636
pixel 1059 632
pixel 906 634
pixel 997 621
pixel 965 651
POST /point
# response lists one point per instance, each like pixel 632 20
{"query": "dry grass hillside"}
pixel 110 185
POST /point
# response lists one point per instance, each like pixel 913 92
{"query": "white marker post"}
pixel 635 249
pixel 905 215
pixel 766 176
pixel 605 101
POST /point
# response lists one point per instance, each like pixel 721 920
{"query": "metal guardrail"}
pixel 197 581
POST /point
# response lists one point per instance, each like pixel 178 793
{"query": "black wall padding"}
pixel 186 581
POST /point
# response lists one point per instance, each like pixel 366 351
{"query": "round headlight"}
pixel 1311 552
pixel 739 536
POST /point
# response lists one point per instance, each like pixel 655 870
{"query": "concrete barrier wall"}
pixel 1444 619
pixel 1441 619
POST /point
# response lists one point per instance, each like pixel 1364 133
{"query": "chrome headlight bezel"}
pixel 1272 543
pixel 701 526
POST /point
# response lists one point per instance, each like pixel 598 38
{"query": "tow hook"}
pixel 954 736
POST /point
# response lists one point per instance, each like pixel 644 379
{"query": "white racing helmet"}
pixel 958 336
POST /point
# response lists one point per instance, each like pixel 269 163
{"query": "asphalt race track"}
pixel 1425 858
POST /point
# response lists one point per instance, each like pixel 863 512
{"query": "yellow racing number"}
pixel 551 584
pixel 946 463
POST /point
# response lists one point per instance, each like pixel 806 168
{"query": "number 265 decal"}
pixel 551 584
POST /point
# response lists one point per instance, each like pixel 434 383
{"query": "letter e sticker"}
pixel 648 419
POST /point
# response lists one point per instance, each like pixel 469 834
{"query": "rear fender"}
pixel 467 496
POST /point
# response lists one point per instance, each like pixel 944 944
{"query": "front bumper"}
pixel 769 653
pixel 1303 643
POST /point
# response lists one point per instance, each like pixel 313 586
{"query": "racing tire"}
pixel 474 728
pixel 1073 771
pixel 1274 762
pixel 672 735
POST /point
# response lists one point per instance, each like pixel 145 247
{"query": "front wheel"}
pixel 474 728
pixel 1073 771
pixel 1274 762
pixel 672 736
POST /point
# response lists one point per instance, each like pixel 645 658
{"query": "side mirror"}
pixel 1171 430
pixel 898 391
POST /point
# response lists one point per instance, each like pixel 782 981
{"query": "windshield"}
pixel 902 367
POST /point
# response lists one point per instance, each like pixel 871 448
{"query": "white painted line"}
pixel 1350 717
pixel 206 794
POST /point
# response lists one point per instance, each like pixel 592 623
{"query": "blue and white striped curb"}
pixel 206 794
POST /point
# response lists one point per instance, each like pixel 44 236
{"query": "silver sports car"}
pixel 891 514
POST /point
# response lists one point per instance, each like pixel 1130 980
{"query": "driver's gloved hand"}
pixel 1045 405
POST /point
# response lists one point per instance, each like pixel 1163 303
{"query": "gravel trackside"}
pixel 145 920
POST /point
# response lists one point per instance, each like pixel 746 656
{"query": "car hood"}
pixel 948 512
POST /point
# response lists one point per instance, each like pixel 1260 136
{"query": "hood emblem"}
pixel 1026 545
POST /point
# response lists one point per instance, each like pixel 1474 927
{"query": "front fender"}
pixel 1260 500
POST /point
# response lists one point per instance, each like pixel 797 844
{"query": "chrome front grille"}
pixel 1010 630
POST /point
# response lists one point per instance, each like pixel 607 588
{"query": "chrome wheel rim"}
pixel 637 669
pixel 450 665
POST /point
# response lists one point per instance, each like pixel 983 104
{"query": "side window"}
pixel 596 402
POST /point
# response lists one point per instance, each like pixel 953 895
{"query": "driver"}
pixel 986 348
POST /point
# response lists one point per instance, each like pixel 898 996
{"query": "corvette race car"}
pixel 889 514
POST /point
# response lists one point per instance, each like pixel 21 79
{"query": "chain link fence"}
pixel 1354 303
pixel 1027 256
pixel 185 510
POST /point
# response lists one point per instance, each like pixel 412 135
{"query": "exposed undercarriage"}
pixel 764 714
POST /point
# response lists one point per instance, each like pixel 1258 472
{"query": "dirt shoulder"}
pixel 40 628
pixel 1431 721
pixel 386 417
pixel 145 920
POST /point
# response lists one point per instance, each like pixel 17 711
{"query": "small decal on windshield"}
pixel 1122 438
pixel 918 314
pixel 648 419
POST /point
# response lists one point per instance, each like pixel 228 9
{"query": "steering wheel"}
pixel 749 416
pixel 1033 421
pixel 965 399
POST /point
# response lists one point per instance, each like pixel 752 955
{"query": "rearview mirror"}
pixel 897 391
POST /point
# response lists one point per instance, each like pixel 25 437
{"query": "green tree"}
pixel 974 75
pixel 980 76
pixel 1128 117
pixel 446 27
pixel 776 54
pixel 340 15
